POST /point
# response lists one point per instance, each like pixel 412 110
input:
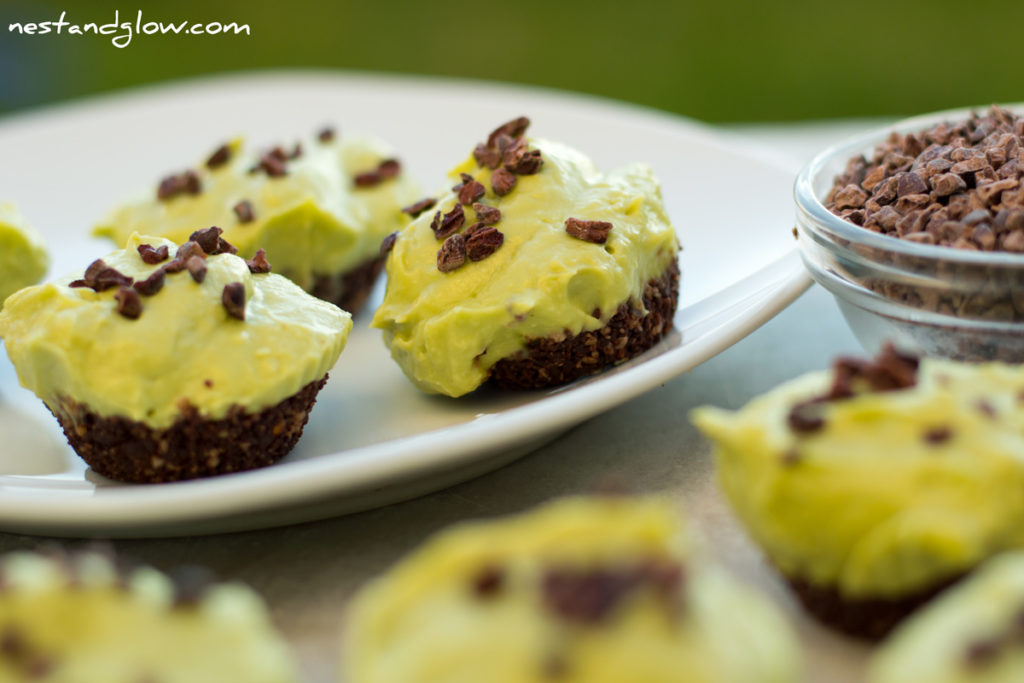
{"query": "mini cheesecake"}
pixel 876 485
pixel 83 617
pixel 23 257
pixel 972 633
pixel 165 362
pixel 584 590
pixel 319 209
pixel 534 269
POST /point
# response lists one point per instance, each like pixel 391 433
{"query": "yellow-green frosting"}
pixel 446 330
pixel 71 342
pixel 23 257
pixel 868 504
pixel 423 623
pixel 108 628
pixel 312 221
pixel 969 634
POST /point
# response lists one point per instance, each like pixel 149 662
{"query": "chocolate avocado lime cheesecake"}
pixel 876 485
pixel 533 270
pixel 320 209
pixel 165 362
pixel 23 257
pixel 582 590
pixel 85 616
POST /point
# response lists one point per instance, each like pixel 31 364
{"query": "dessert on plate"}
pixel 82 617
pixel 165 362
pixel 533 270
pixel 320 209
pixel 875 485
pixel 972 633
pixel 23 257
pixel 587 590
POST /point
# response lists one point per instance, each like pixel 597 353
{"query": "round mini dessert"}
pixel 80 618
pixel 23 257
pixel 973 633
pixel 876 485
pixel 534 270
pixel 164 362
pixel 579 591
pixel 320 210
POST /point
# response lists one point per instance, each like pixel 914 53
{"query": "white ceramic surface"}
pixel 373 438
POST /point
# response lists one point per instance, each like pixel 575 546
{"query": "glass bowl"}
pixel 938 300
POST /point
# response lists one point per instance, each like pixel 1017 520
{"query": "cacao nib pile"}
pixel 955 184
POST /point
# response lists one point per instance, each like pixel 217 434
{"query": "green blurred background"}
pixel 743 60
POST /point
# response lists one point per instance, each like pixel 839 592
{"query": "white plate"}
pixel 372 438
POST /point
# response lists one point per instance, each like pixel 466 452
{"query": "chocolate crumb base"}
pixel 866 618
pixel 630 332
pixel 192 447
pixel 349 290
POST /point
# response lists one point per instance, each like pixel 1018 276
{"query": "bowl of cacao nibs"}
pixel 918 231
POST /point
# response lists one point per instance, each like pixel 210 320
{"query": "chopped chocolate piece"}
pixel 513 152
pixel 109 278
pixel 94 269
pixel 514 128
pixel 502 182
pixel 258 264
pixel 296 151
pixel 233 298
pixel 39 667
pixel 479 225
pixel 152 256
pixel 187 250
pixel 273 164
pixel 207 239
pixel 487 214
pixel 220 157
pixel 487 156
pixel 152 284
pixel 806 417
pixel 12 643
pixel 489 581
pixel 483 242
pixel 982 652
pixel 196 268
pixel 585 596
pixel 388 243
pixel 938 435
pixel 420 206
pixel 471 191
pixel 452 253
pixel 191 584
pixel 985 408
pixel 174 185
pixel 368 179
pixel 529 163
pixel 326 134
pixel 175 265
pixel 128 303
pixel 77 284
pixel 208 383
pixel 588 231
pixel 449 223
pixel 244 211
pixel 389 168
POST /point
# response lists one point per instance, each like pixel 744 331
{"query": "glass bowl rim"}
pixel 809 203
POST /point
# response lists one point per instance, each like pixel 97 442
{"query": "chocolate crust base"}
pixel 630 332
pixel 349 290
pixel 192 447
pixel 868 619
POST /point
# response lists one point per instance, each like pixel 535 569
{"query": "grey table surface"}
pixel 308 572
